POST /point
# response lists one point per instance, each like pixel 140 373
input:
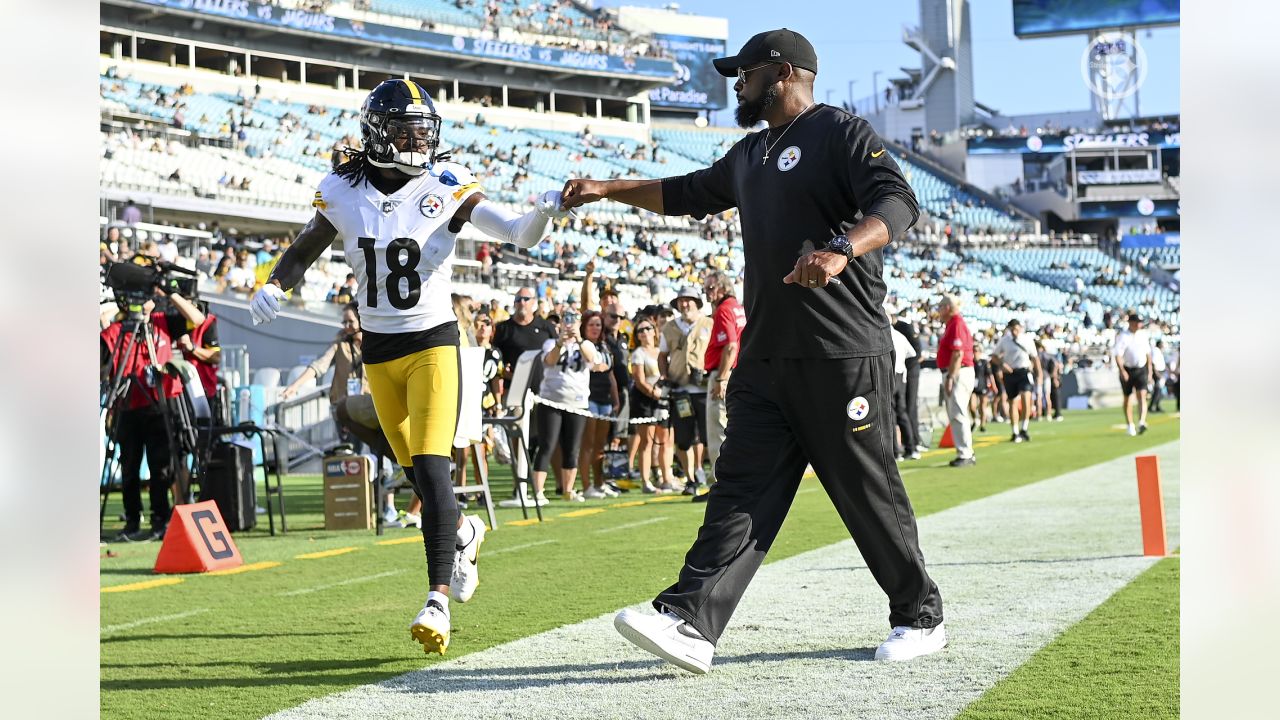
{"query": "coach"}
pixel 819 196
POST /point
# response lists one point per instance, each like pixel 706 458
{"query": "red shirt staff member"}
pixel 721 358
pixel 955 360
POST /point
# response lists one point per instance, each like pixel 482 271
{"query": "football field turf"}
pixel 270 638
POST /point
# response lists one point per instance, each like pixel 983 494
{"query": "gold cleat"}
pixel 431 628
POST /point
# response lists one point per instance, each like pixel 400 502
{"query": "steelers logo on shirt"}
pixel 858 408
pixel 431 206
pixel 789 158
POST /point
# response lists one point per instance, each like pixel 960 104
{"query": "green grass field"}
pixel 247 644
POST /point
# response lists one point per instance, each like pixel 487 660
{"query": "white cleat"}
pixel 667 636
pixel 431 628
pixel 908 643
pixel 466 573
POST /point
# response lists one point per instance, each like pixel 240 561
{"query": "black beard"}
pixel 749 112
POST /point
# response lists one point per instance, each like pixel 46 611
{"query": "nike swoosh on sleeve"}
pixel 877 154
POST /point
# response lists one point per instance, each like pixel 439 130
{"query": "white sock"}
pixel 441 598
pixel 1025 424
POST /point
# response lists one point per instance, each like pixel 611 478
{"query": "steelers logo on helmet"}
pixel 858 408
pixel 431 206
pixel 400 127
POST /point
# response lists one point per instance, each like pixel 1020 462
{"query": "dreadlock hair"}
pixel 355 169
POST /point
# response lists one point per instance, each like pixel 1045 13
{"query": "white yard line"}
pixel 628 526
pixel 514 548
pixel 147 621
pixel 1015 570
pixel 348 581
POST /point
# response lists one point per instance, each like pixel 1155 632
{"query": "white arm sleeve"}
pixel 523 231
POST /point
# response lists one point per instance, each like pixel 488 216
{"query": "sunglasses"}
pixel 523 299
pixel 642 328
pixel 742 72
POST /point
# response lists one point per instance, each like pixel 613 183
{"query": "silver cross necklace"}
pixel 769 146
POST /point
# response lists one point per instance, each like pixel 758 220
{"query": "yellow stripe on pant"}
pixel 416 397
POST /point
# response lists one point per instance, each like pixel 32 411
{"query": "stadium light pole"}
pixel 875 89
pixel 828 96
pixel 851 82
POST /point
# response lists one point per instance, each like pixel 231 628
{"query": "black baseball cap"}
pixel 777 46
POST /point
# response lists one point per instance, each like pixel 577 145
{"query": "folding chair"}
pixel 516 425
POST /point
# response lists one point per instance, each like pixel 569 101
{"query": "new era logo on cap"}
pixel 776 46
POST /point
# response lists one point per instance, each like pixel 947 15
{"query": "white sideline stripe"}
pixel 1015 570
pixel 348 581
pixel 628 526
pixel 514 548
pixel 148 621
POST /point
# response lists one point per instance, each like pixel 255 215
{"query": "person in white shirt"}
pixel 1015 353
pixel 1132 351
pixel 1158 370
pixel 902 350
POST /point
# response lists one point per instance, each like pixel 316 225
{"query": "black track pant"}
pixel 902 415
pixel 138 430
pixel 838 416
pixel 913 401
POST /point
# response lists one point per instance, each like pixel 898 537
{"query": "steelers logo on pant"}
pixel 431 206
pixel 858 408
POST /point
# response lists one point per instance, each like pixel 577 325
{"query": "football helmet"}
pixel 400 127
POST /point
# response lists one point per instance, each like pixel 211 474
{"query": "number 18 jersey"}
pixel 399 246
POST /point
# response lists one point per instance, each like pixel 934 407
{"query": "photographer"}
pixel 682 349
pixel 137 419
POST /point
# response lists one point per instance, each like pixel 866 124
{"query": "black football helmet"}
pixel 400 111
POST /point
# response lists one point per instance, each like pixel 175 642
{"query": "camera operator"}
pixel 200 347
pixel 138 422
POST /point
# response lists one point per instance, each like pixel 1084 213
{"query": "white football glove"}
pixel 549 205
pixel 265 304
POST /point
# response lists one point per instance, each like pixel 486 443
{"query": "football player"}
pixel 397 205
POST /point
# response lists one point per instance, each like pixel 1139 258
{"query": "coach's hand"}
pixel 580 191
pixel 816 269
pixel 265 304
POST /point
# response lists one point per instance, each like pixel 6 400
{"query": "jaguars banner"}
pixel 697 85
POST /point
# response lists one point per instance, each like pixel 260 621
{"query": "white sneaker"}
pixel 542 500
pixel 412 519
pixel 431 628
pixel 594 493
pixel 906 643
pixel 608 491
pixel 668 637
pixel 466 574
pixel 574 496
pixel 1133 432
pixel 520 500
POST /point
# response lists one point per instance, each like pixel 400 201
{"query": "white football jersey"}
pixel 399 246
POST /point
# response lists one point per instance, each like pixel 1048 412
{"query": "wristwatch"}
pixel 840 244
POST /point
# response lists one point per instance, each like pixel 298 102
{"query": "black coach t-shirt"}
pixel 827 170
pixel 513 339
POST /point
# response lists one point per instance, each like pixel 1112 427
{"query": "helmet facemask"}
pixel 406 141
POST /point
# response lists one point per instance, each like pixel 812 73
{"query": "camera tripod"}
pixel 179 430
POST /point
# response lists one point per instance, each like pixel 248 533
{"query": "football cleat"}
pixel 431 628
